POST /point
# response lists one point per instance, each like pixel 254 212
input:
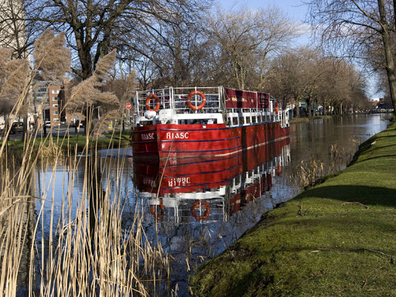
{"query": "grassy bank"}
pixel 70 141
pixel 335 239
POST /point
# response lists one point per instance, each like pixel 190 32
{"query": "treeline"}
pixel 184 43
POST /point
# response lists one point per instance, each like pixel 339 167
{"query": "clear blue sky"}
pixel 293 8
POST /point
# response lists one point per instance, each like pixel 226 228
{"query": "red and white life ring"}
pixel 191 94
pixel 157 107
pixel 200 203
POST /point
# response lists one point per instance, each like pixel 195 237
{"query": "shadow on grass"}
pixel 378 157
pixel 362 194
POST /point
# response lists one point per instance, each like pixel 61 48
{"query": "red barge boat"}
pixel 204 122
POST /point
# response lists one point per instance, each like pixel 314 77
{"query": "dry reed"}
pixel 308 172
pixel 83 252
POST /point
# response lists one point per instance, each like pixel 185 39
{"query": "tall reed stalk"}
pixel 85 251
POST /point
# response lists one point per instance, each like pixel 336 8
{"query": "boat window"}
pixel 242 120
pixel 254 120
pixel 235 121
pixel 248 120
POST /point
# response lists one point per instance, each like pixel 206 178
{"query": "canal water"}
pixel 197 209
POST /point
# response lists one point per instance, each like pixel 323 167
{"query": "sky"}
pixel 293 8
pixel 296 11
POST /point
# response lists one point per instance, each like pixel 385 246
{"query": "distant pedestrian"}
pixel 76 127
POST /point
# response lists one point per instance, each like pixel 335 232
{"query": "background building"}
pixel 49 101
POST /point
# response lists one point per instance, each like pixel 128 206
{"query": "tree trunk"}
pixel 297 109
pixel 309 105
pixel 390 65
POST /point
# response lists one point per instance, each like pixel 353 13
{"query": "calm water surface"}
pixel 203 207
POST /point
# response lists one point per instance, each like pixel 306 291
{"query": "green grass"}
pixel 334 239
pixel 107 140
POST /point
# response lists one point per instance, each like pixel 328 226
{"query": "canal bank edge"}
pixel 334 239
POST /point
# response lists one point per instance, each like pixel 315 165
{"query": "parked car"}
pixel 47 124
pixel 17 127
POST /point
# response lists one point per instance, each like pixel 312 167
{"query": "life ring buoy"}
pixel 155 212
pixel 157 107
pixel 192 93
pixel 276 107
pixel 203 204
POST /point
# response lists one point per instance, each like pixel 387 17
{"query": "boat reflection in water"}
pixel 198 207
pixel 187 190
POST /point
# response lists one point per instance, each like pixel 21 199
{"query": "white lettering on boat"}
pixel 148 136
pixel 149 182
pixel 179 182
pixel 177 135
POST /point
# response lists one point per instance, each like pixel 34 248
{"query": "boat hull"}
pixel 200 174
pixel 163 141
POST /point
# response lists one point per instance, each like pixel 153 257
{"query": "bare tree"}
pixel 336 85
pixel 180 58
pixel 306 75
pixel 355 26
pixel 146 71
pixel 13 28
pixel 287 75
pixel 296 76
pixel 247 39
pixel 95 27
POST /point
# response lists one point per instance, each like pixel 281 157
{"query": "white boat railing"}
pixel 188 103
pixel 177 100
